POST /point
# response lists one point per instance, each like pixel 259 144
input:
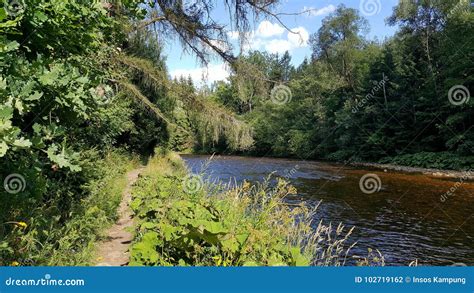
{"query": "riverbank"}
pixel 432 172
pixel 183 220
pixel 439 173
pixel 406 216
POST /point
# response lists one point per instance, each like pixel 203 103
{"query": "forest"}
pixel 86 96
pixel 404 100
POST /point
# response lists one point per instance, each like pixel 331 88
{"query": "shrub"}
pixel 441 160
pixel 221 226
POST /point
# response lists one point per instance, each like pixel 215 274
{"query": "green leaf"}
pixel 62 158
pixel 3 14
pixel 35 96
pixel 3 148
pixel 40 16
pixel 22 143
pixel 3 83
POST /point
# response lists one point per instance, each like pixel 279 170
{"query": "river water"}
pixel 411 216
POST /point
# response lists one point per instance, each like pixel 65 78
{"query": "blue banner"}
pixel 315 279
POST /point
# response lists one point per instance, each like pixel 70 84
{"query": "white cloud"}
pixel 299 38
pixel 210 74
pixel 311 11
pixel 278 46
pixel 271 37
pixel 267 29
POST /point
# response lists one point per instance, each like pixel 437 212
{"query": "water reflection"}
pixel 405 220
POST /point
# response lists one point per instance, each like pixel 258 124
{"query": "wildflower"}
pixel 15 264
pixel 22 225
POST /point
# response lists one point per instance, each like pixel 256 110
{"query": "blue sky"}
pixel 268 35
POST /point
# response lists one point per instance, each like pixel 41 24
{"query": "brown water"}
pixel 405 220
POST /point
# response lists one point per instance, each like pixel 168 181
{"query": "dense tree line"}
pixel 403 100
pixel 83 83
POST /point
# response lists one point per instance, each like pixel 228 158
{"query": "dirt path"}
pixel 113 251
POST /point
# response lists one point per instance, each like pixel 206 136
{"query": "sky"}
pixel 270 36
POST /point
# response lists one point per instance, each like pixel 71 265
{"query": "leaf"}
pixel 49 77
pixel 3 148
pixel 62 158
pixel 3 83
pixel 35 96
pixel 3 14
pixel 40 16
pixel 22 143
pixel 145 250
pixel 12 46
pixel 6 112
pixel 298 259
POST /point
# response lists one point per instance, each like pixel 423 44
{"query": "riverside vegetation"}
pixel 85 96
pixel 205 224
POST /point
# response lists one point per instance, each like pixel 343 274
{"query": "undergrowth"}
pixel 179 223
pixel 45 235
pixel 443 160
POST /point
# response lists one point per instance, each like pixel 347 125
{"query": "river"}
pixel 412 216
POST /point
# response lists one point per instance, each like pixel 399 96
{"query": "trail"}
pixel 113 251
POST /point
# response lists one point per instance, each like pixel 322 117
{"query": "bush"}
pixel 442 160
pixel 61 225
pixel 211 225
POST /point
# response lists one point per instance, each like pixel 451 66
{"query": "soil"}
pixel 114 250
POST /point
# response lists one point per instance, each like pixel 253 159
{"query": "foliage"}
pixel 79 79
pixel 364 100
pixel 443 160
pixel 50 233
pixel 217 226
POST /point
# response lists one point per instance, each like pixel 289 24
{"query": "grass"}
pixel 184 221
pixel 95 214
pixel 46 235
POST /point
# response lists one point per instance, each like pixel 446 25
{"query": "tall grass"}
pixel 63 229
pixel 216 225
